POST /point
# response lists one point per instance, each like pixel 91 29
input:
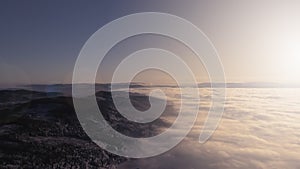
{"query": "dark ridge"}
pixel 44 132
pixel 129 128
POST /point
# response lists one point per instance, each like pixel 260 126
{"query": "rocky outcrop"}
pixel 38 131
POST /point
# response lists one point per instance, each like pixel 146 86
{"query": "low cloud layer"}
pixel 259 130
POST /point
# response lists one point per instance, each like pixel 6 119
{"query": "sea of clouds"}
pixel 260 129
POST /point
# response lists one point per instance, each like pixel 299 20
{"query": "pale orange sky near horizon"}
pixel 256 41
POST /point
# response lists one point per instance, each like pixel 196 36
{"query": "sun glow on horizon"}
pixel 289 62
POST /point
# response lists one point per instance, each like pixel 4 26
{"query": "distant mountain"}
pixel 21 95
pixel 250 85
pixel 66 89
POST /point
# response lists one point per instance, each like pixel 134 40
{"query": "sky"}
pixel 257 41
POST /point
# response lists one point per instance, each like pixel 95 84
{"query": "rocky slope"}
pixel 38 130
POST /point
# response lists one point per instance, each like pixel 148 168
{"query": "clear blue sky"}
pixel 40 40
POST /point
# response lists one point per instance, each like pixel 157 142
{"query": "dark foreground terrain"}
pixel 41 130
